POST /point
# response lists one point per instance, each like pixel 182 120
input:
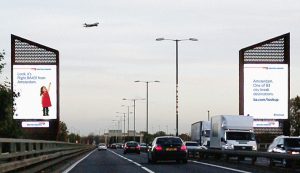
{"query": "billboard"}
pixel 37 87
pixel 266 91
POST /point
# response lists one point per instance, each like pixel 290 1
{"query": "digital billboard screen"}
pixel 266 91
pixel 37 87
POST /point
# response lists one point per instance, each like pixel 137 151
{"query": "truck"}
pixel 232 132
pixel 200 132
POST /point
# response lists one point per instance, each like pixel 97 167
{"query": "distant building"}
pixel 116 136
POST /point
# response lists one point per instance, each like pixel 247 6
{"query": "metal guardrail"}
pixel 241 155
pixel 21 154
pixel 262 146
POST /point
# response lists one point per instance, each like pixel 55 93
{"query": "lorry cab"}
pixel 239 140
pixel 200 132
pixel 232 132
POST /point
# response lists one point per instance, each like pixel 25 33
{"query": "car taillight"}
pixel 158 148
pixel 293 152
pixel 138 147
pixel 183 148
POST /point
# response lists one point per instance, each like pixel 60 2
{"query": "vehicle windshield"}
pixel 132 144
pixel 207 133
pixel 249 136
pixel 191 144
pixel 169 141
pixel 292 142
pixel 102 145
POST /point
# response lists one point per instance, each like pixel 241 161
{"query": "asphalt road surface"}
pixel 114 161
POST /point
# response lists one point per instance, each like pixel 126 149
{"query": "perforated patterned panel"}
pixel 270 130
pixel 27 52
pixel 270 52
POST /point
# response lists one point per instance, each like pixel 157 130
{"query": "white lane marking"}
pixel 76 163
pixel 222 167
pixel 139 165
pixel 148 170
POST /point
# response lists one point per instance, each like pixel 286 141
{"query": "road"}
pixel 114 161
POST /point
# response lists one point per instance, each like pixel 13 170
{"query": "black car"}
pixel 144 147
pixel 132 147
pixel 167 148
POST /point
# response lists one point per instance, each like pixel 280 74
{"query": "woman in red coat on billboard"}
pixel 46 102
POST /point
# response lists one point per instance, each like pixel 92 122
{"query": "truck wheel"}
pixel 272 163
pixel 286 163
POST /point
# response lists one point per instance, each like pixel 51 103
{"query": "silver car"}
pixel 285 144
pixel 102 146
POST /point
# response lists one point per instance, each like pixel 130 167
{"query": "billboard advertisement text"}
pixel 37 87
pixel 266 91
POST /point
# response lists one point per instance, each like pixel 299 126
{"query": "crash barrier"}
pixel 263 146
pixel 23 155
pixel 291 159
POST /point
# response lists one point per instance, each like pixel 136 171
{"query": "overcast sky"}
pixel 99 65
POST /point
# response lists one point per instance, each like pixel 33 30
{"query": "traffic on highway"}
pixel 113 160
pixel 230 147
pixel 148 86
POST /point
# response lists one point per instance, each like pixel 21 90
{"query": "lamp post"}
pixel 147 104
pixel 208 115
pixel 134 100
pixel 115 121
pixel 124 122
pixel 176 41
pixel 127 118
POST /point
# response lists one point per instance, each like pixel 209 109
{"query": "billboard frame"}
pixel 264 53
pixel 37 54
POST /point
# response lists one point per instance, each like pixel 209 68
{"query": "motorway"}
pixel 114 161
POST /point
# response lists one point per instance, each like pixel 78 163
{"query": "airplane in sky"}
pixel 90 25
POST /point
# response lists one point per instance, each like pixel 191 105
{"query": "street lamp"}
pixel 147 112
pixel 127 118
pixel 134 100
pixel 176 40
pixel 124 122
pixel 208 115
pixel 115 131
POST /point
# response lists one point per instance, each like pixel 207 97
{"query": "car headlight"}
pixel 254 147
pixel 228 147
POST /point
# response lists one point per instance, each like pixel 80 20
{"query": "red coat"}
pixel 46 102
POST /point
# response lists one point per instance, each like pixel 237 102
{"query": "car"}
pixel 120 145
pixel 144 147
pixel 285 144
pixel 113 146
pixel 192 146
pixel 167 148
pixel 131 147
pixel 102 146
